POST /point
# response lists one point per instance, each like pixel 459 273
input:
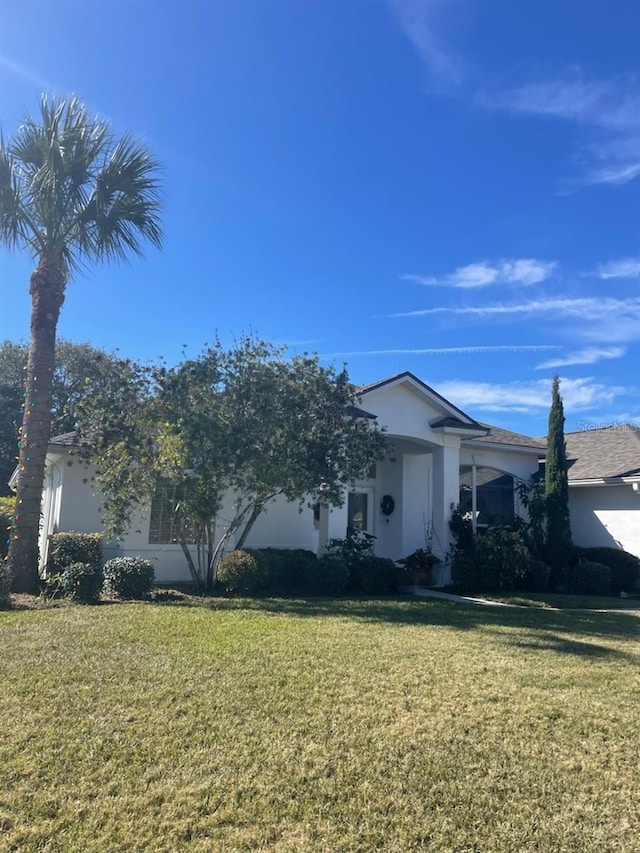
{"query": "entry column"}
pixel 446 492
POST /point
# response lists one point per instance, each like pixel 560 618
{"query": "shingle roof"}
pixel 497 435
pixel 596 454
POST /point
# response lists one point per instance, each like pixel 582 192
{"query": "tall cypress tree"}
pixel 559 545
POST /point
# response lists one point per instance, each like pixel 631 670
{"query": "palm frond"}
pixel 125 206
pixel 10 226
pixel 70 191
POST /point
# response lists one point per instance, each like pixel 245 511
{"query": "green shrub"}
pixel 328 575
pixel 537 577
pixel 81 581
pixel 374 576
pixel 5 582
pixel 353 548
pixel 461 531
pixel 129 577
pixel 588 578
pixel 624 567
pixel 467 573
pixel 498 561
pixel 7 506
pixel 240 573
pixel 68 548
pixel 290 564
pixel 284 567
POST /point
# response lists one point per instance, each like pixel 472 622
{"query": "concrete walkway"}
pixel 423 592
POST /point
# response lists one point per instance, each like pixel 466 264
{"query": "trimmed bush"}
pixel 284 566
pixel 375 576
pixel 82 582
pixel 467 574
pixel 289 566
pixel 328 575
pixel 588 578
pixel 68 548
pixel 624 567
pixel 240 573
pixel 129 577
pixel 538 576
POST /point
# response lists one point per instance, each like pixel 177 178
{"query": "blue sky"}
pixel 450 187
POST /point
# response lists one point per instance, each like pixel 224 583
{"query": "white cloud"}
pixel 611 107
pixel 588 355
pixel 605 320
pixel 622 268
pixel 615 175
pixel 421 22
pixel 468 350
pixel 523 271
pixel 577 394
pixel 588 309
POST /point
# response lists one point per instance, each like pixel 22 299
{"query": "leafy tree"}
pixel 245 421
pixel 559 546
pixel 69 194
pixel 85 383
pixel 13 360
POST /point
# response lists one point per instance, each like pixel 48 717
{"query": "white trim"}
pixel 605 481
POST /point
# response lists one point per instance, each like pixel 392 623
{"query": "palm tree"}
pixel 70 194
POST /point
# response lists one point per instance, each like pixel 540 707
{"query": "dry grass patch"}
pixel 318 726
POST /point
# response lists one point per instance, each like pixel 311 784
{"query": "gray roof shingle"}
pixel 497 435
pixel 596 454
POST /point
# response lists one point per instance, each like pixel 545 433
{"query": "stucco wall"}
pixel 76 506
pixel 417 516
pixel 517 463
pixel 605 515
pixel 403 412
pixel 79 508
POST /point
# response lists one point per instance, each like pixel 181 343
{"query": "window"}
pixel 494 495
pixel 165 518
pixel 357 512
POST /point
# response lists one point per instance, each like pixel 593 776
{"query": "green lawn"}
pixel 319 726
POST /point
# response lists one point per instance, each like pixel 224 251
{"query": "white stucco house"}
pixel 439 457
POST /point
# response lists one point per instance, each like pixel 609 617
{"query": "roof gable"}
pixel 426 392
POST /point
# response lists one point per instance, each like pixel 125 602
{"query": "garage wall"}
pixel 605 515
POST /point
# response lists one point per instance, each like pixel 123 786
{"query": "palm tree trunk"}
pixel 47 295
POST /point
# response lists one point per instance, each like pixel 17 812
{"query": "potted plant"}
pixel 418 567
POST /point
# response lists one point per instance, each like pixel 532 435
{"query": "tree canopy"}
pixel 245 421
pixel 85 384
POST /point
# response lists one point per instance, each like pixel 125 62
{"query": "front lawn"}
pixel 319 726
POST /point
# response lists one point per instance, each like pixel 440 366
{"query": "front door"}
pixel 360 516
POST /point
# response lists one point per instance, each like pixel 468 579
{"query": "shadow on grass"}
pixel 547 641
pixel 546 626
